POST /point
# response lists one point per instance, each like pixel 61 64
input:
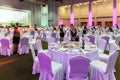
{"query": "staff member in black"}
pixel 73 31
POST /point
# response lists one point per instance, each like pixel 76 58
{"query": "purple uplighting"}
pixel 90 15
pixel 114 13
pixel 72 15
pixel 90 19
pixel 72 18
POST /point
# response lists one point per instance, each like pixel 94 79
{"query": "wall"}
pixel 34 8
pixel 102 12
pixel 52 13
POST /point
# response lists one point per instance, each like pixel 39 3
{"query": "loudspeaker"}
pixel 43 5
pixel 21 0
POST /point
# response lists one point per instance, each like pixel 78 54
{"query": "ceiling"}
pixel 63 2
pixel 66 2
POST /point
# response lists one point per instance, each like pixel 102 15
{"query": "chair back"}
pixel 7 33
pixel 86 39
pixel 51 40
pixel 24 41
pixel 112 47
pixel 92 39
pixel 106 38
pixel 53 35
pixel 101 44
pixel 45 63
pixel 117 40
pixel 39 45
pixel 79 67
pixel 32 32
pixel 5 43
pixel 44 35
pixel 111 62
pixel 32 51
pixel 25 32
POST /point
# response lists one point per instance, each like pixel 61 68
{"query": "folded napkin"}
pixel 62 49
pixel 75 50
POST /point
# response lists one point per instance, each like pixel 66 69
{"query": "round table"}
pixel 62 55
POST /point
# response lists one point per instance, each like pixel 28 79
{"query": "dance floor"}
pixel 18 67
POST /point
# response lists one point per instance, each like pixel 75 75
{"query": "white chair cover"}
pixel 6 49
pixel 103 71
pixel 49 70
pixel 23 46
pixel 35 68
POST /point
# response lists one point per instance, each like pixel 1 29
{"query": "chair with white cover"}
pixel 44 37
pixel 92 39
pixel 53 35
pixel 112 47
pixel 117 41
pixel 103 71
pixel 39 46
pixel 35 68
pixel 86 39
pixel 78 68
pixel 23 46
pixel 51 40
pixel 111 34
pixel 107 38
pixel 49 70
pixel 2 35
pixel 67 36
pixel 6 49
pixel 101 44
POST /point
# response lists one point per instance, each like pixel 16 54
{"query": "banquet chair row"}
pixel 78 68
pixel 35 68
pixel 51 70
pixel 7 48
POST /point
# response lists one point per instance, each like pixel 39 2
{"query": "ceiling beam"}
pixel 36 2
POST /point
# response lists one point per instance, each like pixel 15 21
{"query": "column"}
pixel 95 18
pixel 90 14
pixel 71 14
pixel 44 16
pixel 114 13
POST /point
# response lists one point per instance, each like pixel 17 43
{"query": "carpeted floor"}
pixel 18 67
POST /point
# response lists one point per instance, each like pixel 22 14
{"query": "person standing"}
pixel 74 34
pixel 62 34
pixel 16 38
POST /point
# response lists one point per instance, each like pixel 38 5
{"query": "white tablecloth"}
pixel 63 55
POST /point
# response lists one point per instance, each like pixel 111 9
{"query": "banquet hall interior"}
pixel 59 39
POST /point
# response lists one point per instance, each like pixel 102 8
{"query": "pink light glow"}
pixel 114 13
pixel 90 15
pixel 60 21
pixel 90 19
pixel 72 18
pixel 67 24
pixel 72 15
